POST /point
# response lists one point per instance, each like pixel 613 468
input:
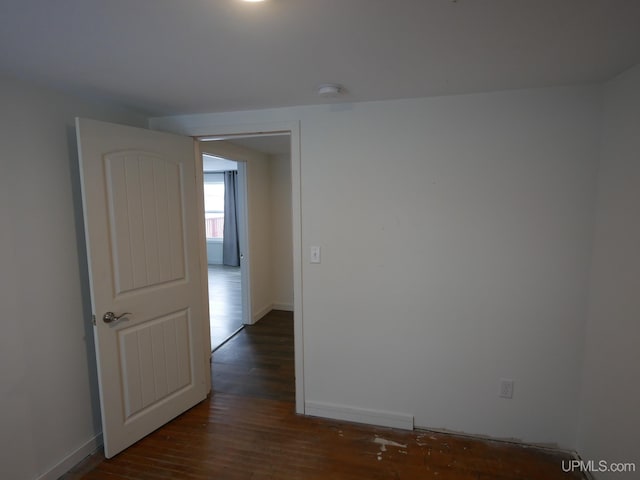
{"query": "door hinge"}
pixel 93 319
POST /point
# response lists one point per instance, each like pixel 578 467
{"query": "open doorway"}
pixel 220 187
pixel 264 281
pixel 290 131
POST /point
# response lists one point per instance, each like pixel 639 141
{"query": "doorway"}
pixel 212 130
pixel 265 278
pixel 220 188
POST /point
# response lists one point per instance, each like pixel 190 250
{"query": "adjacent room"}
pixel 223 248
pixel 439 270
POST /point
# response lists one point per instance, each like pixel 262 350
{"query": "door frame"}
pixel 242 207
pixel 247 129
pixel 204 272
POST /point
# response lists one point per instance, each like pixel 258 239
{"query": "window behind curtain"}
pixel 214 205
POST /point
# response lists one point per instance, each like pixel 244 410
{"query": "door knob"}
pixel 111 317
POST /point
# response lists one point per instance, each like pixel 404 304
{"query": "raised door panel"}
pixel 145 203
pixel 155 361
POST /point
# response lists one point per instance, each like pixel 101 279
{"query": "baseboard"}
pixel 359 415
pixel 287 307
pixel 272 306
pixel 261 313
pixel 71 460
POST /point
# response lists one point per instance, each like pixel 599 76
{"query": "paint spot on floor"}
pixel 384 443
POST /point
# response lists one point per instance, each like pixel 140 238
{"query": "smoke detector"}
pixel 329 90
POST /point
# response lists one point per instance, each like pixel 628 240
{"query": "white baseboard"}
pixel 261 313
pixel 71 460
pixel 287 307
pixel 267 308
pixel 359 415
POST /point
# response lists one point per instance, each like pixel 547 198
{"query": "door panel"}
pixel 145 208
pixel 155 361
pixel 141 224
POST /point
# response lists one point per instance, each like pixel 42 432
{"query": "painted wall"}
pixel 259 203
pixel 281 233
pixel 610 421
pixel 456 236
pixel 48 389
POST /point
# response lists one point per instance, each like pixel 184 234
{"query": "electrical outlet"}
pixel 506 388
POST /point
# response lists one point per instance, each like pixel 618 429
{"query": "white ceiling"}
pixel 186 56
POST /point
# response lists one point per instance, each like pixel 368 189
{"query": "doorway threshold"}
pixel 227 339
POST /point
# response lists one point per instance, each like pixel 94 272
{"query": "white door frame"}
pixel 292 128
pixel 243 241
pixel 204 272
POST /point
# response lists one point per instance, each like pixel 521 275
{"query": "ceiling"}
pixel 185 56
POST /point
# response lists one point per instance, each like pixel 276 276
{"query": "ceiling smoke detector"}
pixel 329 90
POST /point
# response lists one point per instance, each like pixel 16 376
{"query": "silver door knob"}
pixel 111 317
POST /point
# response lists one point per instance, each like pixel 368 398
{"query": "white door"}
pixel 139 194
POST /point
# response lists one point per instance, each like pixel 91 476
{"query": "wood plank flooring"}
pixel 247 429
pixel 225 303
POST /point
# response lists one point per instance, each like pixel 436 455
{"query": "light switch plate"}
pixel 315 254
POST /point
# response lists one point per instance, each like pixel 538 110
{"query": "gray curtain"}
pixel 230 244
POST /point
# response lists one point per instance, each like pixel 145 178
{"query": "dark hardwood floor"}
pixel 258 361
pixel 248 429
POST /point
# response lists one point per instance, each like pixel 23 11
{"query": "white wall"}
pixel 456 235
pixel 281 236
pixel 259 201
pixel 610 421
pixel 270 234
pixel 48 389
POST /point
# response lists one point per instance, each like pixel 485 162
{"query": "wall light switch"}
pixel 506 388
pixel 315 254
